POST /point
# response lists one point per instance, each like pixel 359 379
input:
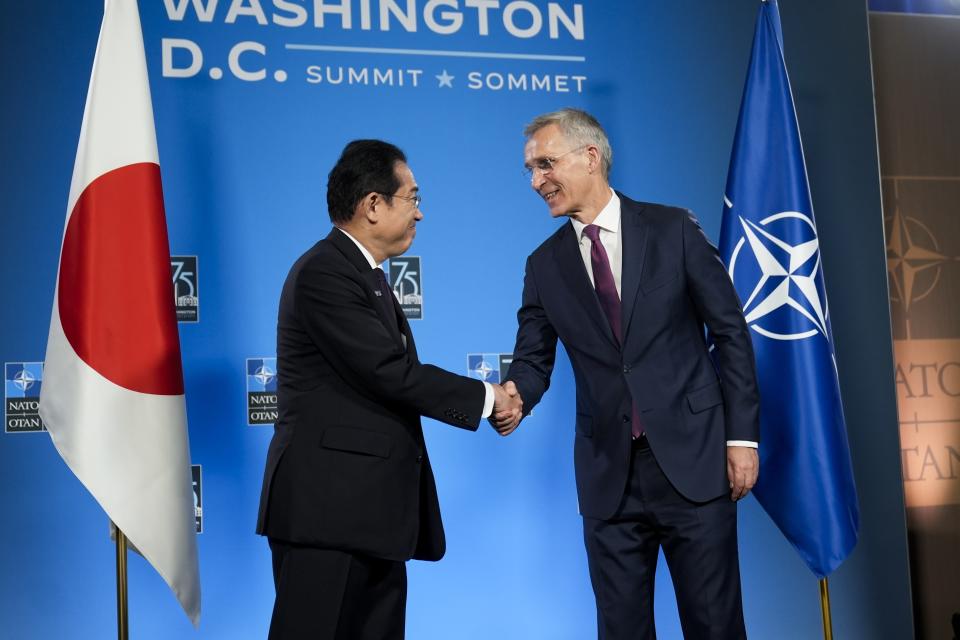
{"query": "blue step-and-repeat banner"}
pixel 254 100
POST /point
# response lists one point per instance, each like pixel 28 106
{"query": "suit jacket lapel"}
pixel 634 230
pixel 372 283
pixel 573 275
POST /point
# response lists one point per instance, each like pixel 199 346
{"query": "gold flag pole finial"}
pixel 825 609
pixel 122 627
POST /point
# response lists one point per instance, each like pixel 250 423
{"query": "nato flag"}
pixel 769 243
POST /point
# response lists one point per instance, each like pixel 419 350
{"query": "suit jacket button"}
pixel 419 459
pixel 626 418
pixel 626 368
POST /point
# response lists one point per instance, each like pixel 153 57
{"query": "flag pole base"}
pixel 123 632
pixel 825 609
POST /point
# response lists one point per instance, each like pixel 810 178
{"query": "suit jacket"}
pixel 347 467
pixel 673 284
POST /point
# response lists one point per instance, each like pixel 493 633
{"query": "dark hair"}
pixel 365 166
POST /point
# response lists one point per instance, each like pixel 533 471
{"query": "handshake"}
pixel 507 408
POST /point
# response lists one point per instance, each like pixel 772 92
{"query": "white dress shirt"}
pixel 488 388
pixel 612 240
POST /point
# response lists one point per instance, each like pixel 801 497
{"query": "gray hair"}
pixel 580 128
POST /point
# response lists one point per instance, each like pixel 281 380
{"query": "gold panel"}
pixel 928 395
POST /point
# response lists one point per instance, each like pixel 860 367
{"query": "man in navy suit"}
pixel 666 439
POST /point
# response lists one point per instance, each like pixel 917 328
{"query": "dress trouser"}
pixel 699 541
pixel 325 594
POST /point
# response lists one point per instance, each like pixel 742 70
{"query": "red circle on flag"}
pixel 116 294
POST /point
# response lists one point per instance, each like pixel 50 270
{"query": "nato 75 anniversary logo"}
pixel 196 473
pixel 406 279
pixel 186 290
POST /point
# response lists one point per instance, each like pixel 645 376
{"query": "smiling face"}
pixel 573 185
pixel 396 221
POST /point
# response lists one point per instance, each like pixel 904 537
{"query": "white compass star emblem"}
pixel 483 369
pixel 264 375
pixel 788 276
pixel 23 379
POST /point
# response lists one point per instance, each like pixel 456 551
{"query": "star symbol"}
pixel 786 270
pixel 264 375
pixel 445 79
pixel 906 260
pixel 23 379
pixel 483 370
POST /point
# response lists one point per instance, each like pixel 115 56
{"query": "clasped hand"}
pixel 507 408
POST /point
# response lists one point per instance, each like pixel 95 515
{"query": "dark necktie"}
pixel 609 299
pixel 603 280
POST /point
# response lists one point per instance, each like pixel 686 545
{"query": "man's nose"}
pixel 537 179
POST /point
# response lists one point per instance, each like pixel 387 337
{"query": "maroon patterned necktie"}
pixel 603 280
pixel 609 299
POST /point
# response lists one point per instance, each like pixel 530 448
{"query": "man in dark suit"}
pixel 348 493
pixel 665 440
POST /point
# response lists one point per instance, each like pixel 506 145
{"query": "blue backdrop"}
pixel 247 134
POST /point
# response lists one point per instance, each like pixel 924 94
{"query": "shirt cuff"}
pixel 742 443
pixel 488 401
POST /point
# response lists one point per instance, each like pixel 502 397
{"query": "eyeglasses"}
pixel 416 198
pixel 545 165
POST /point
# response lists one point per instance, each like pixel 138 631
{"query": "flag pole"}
pixel 122 627
pixel 825 609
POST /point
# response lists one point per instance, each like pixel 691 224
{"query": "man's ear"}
pixel 368 206
pixel 593 158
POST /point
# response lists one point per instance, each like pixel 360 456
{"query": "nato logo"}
pixel 776 263
pixel 489 367
pixel 406 279
pixel 186 294
pixel 196 473
pixel 261 391
pixel 22 381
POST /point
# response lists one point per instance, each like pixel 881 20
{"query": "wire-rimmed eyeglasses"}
pixel 416 199
pixel 546 164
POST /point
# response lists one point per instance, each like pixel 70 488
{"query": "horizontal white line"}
pixel 438 53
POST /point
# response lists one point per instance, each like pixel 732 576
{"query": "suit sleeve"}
pixel 336 312
pixel 718 305
pixel 536 347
